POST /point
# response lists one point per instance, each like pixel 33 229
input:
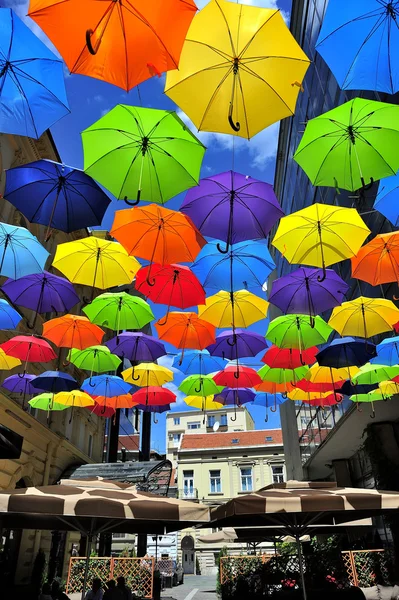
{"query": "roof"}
pixel 195 441
pixel 129 442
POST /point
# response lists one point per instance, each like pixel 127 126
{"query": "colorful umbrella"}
pixel 121 43
pixel 29 349
pixel 324 379
pixel 74 398
pixel 237 344
pixel 351 144
pixel 142 153
pixel 101 411
pixel 349 389
pixel 235 377
pixel 387 199
pixel 96 262
pixel 378 261
pixel 270 387
pixel 153 409
pixel 204 403
pixel 147 374
pixel 115 402
pixel 18 384
pixel 54 381
pixel 46 402
pixel 289 358
pixel 346 352
pixel 119 310
pixel 321 387
pixel 72 331
pixel 246 265
pixel 233 309
pixel 240 69
pixel 9 317
pixel 174 285
pixel 364 317
pixel 33 93
pixel 233 208
pixel 198 361
pixel 262 399
pixel 299 395
pixel 199 385
pixel 320 235
pixel 388 388
pixel 186 331
pixel 235 397
pixel 371 397
pixel 136 347
pixel 387 352
pixel 106 386
pixel 357 42
pixel 154 396
pixel 372 373
pixel 296 331
pixel 8 362
pixel 55 195
pixel 96 359
pixel 21 252
pixel 307 291
pixel 266 373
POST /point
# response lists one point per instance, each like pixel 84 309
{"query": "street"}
pixel 195 587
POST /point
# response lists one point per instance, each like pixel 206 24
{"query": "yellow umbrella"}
pixel 8 362
pixel 364 317
pixel 388 388
pixel 95 262
pixel 147 374
pixel 318 374
pixel 320 235
pixel 233 309
pixel 76 398
pixel 204 403
pixel 240 69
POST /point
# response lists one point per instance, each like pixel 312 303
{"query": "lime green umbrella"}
pixel 46 402
pixel 199 385
pixel 96 359
pixel 351 145
pixel 369 374
pixel 298 331
pixel 142 153
pixel 371 397
pixel 266 373
pixel 119 311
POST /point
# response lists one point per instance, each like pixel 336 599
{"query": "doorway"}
pixel 188 555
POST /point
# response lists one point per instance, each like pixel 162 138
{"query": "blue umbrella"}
pixel 269 401
pixel 9 317
pixel 53 194
pixel 55 381
pixel 106 385
pixel 20 384
pixel 359 41
pixel 21 253
pixel 198 361
pixel 32 88
pixel 387 200
pixel 387 352
pixel 346 352
pixel 238 344
pixel 246 265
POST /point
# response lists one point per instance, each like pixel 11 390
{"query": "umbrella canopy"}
pixel 351 144
pixel 364 317
pixel 121 43
pixel 204 403
pixel 115 402
pixel 388 388
pixel 106 386
pixel 97 359
pixel 357 44
pixel 270 387
pixel 233 208
pixel 119 310
pixel 246 265
pixel 296 331
pixel 29 349
pixel 198 361
pixel 136 346
pixel 18 384
pixel 306 291
pixel 53 194
pixel 325 400
pixel 186 330
pixel 147 374
pixel 320 377
pixel 142 153
pixel 387 352
pixel 9 317
pixel 346 352
pixel 21 252
pixel 266 373
pixel 72 331
pixel 101 411
pixel 372 373
pixel 299 395
pixel 237 344
pixel 199 385
pixel 74 398
pixel 237 69
pixel 270 400
pixel 8 362
pixel 153 409
pixel 349 389
pixel 235 396
pixel 320 235
pixel 96 262
pixel 289 358
pixel 33 93
pixel 387 199
pixel 54 382
pixel 46 402
pixel 378 261
pixel 231 309
pixel 154 396
pixel 237 377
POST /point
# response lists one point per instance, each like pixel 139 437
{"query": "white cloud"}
pixel 259 3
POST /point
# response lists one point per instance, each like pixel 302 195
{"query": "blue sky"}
pixel 89 99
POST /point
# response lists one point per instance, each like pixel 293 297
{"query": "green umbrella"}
pixel 199 385
pixel 351 144
pixel 119 311
pixel 296 331
pixel 97 359
pixel 266 373
pixel 45 402
pixel 371 397
pixel 142 153
pixel 372 373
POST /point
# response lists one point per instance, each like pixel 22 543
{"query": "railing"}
pixel 165 567
pixel 138 573
pixel 361 566
pixel 188 494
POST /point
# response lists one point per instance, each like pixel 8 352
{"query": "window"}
pixel 223 420
pixel 176 421
pixel 194 425
pixel 215 482
pixel 269 438
pixel 118 535
pixel 235 441
pixel 211 420
pixel 188 484
pixel 278 473
pixel 90 446
pixel 246 479
pixel 176 439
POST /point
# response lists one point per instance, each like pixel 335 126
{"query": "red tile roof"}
pixel 225 440
pixel 130 442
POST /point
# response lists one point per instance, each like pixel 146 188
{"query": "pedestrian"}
pixel 56 591
pixel 96 592
pixel 46 592
pixel 127 594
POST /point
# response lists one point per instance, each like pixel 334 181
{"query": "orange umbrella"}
pixel 123 43
pixel 123 401
pixel 378 261
pixel 270 387
pixel 71 331
pixel 186 330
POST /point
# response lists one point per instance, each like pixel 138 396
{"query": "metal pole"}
pixel 299 548
pixel 145 452
pixel 89 542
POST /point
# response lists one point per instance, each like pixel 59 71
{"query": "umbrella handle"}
pixel 235 126
pixel 198 391
pixel 235 413
pixel 155 419
pixel 322 278
pixel 284 395
pixel 367 187
pixel 165 321
pixel 132 202
pixel 93 385
pixel 225 250
pixel 135 378
pixel 233 343
pixel 91 49
pixel 312 322
pixel 372 416
pixel 29 326
pixel 21 375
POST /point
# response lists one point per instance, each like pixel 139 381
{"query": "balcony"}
pixel 188 494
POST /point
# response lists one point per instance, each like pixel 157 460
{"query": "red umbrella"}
pixel 29 348
pixel 329 400
pixel 289 358
pixel 154 396
pixel 237 377
pixel 101 410
pixel 309 386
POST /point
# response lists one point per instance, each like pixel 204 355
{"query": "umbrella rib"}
pixel 156 174
pixel 364 140
pixel 359 18
pixel 275 12
pixel 122 23
pixel 228 29
pixel 25 75
pixel 128 171
pixel 243 102
pixel 251 72
pixel 215 93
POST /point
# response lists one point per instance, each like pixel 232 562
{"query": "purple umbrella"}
pixel 153 409
pixel 136 347
pixel 42 292
pixel 305 291
pixel 235 397
pixel 233 208
pixel 237 344
pixel 21 384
